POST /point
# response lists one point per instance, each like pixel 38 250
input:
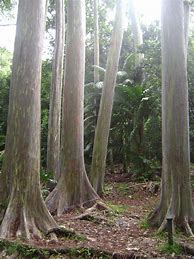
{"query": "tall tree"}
pixel 53 146
pixel 176 200
pixel 26 214
pixel 73 188
pixel 96 42
pixel 104 118
pixel 137 41
pixel 136 30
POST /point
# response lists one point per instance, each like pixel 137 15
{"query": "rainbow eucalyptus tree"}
pixel 176 198
pixel 96 42
pixel 54 126
pixel 104 118
pixel 73 188
pixel 137 32
pixel 26 213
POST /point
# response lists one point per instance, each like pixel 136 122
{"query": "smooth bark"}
pixel 54 126
pixel 137 32
pixel 96 43
pixel 73 188
pixel 26 214
pixel 104 118
pixel 187 11
pixel 176 199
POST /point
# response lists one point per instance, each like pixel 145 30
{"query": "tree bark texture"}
pixel 73 188
pixel 26 214
pixel 176 200
pixel 54 126
pixel 104 118
pixel 96 42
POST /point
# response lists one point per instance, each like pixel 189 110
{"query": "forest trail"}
pixel 121 232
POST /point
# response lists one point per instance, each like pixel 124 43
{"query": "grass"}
pixel 122 188
pixel 170 249
pixel 145 224
pixel 14 248
pixel 108 189
pixel 118 208
pixel 25 251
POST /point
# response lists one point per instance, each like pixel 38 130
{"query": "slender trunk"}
pixel 26 214
pixel 176 200
pixel 73 188
pixel 136 30
pixel 138 41
pixel 96 42
pixel 53 146
pixel 104 118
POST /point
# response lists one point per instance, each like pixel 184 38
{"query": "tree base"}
pixel 62 198
pixel 159 219
pixel 26 221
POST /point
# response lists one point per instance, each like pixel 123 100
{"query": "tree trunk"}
pixel 176 200
pixel 104 118
pixel 96 42
pixel 26 214
pixel 137 32
pixel 138 41
pixel 53 145
pixel 73 188
pixel 187 10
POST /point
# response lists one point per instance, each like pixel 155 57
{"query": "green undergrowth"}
pixel 171 249
pixel 118 209
pixel 108 189
pixel 122 188
pixel 145 224
pixel 22 251
pixel 25 251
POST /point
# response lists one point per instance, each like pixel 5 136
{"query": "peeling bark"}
pixel 176 199
pixel 53 146
pixel 26 214
pixel 104 118
pixel 73 188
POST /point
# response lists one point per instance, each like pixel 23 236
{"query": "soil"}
pixel 121 231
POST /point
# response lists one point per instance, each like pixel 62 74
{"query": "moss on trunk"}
pixel 26 215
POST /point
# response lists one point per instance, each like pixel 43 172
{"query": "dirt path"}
pixel 122 231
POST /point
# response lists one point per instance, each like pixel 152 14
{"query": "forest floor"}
pixel 121 232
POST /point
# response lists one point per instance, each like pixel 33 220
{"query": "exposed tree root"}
pixel 92 214
pixel 91 217
pixel 187 227
pixel 41 252
pixel 23 249
pixel 26 220
pixel 61 200
pixel 184 224
pixel 187 249
pixel 62 231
